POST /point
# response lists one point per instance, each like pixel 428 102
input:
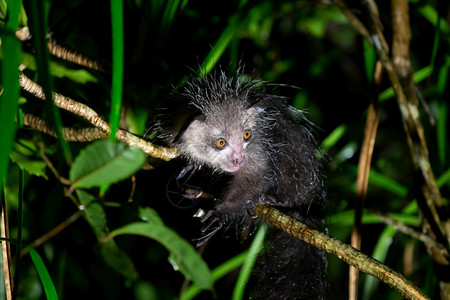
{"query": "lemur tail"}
pixel 289 268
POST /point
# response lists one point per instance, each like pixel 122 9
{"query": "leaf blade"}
pixel 183 254
pixel 49 287
pixel 105 162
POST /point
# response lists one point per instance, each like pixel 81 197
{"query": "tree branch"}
pixel 92 117
pixel 345 252
pixel 69 133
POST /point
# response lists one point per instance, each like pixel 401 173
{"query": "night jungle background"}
pixel 312 54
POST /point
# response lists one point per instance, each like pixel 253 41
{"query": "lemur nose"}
pixel 239 161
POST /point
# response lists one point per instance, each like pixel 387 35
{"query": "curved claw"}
pixel 212 224
pixel 191 169
pixel 203 239
pixel 180 189
pixel 212 218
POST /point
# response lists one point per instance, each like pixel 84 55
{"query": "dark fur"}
pixel 281 167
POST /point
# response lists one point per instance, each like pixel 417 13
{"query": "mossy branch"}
pixel 93 117
pixel 345 252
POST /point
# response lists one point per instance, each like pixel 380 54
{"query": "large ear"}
pixel 194 123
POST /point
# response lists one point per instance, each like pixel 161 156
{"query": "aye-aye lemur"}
pixel 269 151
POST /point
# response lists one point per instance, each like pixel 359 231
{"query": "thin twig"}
pixel 426 239
pixel 52 168
pixel 60 227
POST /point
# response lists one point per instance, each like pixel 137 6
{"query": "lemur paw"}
pixel 211 224
pixel 267 199
pixel 262 198
pixel 183 190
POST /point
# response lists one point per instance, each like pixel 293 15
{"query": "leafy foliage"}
pixel 120 248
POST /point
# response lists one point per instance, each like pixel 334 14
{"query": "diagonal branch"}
pixel 69 133
pixel 92 117
pixel 345 252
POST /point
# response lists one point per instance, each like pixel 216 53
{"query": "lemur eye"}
pixel 247 134
pixel 220 143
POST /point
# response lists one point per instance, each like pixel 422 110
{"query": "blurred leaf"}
pixel 346 218
pixel 32 167
pixel 46 280
pixel 382 247
pixel 370 59
pixel 117 66
pixel 334 137
pixel 60 71
pixel 118 260
pixel 144 290
pixel 172 7
pixel 96 217
pixel 253 251
pixel 220 271
pixel 431 15
pixel 443 77
pixel 25 147
pixel 182 253
pixel 136 119
pixel 13 14
pixel 9 97
pixel 38 28
pixel 260 22
pixel 236 22
pixel 387 183
pixel 105 162
pixel 442 136
pixel 419 75
pixel 78 76
pixel 94 213
pixel 443 179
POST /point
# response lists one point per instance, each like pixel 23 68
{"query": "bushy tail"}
pixel 289 268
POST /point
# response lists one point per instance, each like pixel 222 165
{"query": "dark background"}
pixel 317 59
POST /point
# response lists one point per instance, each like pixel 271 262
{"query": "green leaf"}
pixel 387 183
pixel 49 287
pixel 244 275
pixel 78 76
pixel 118 260
pixel 113 256
pixel 105 162
pixel 117 66
pixel 182 255
pixel 11 48
pixel 38 28
pixel 32 167
pixel 419 75
pixel 369 60
pixel 136 118
pixel 59 70
pixel 334 137
pixel 222 43
pixel 218 272
pixel 94 213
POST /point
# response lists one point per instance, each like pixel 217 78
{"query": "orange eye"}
pixel 247 134
pixel 220 143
